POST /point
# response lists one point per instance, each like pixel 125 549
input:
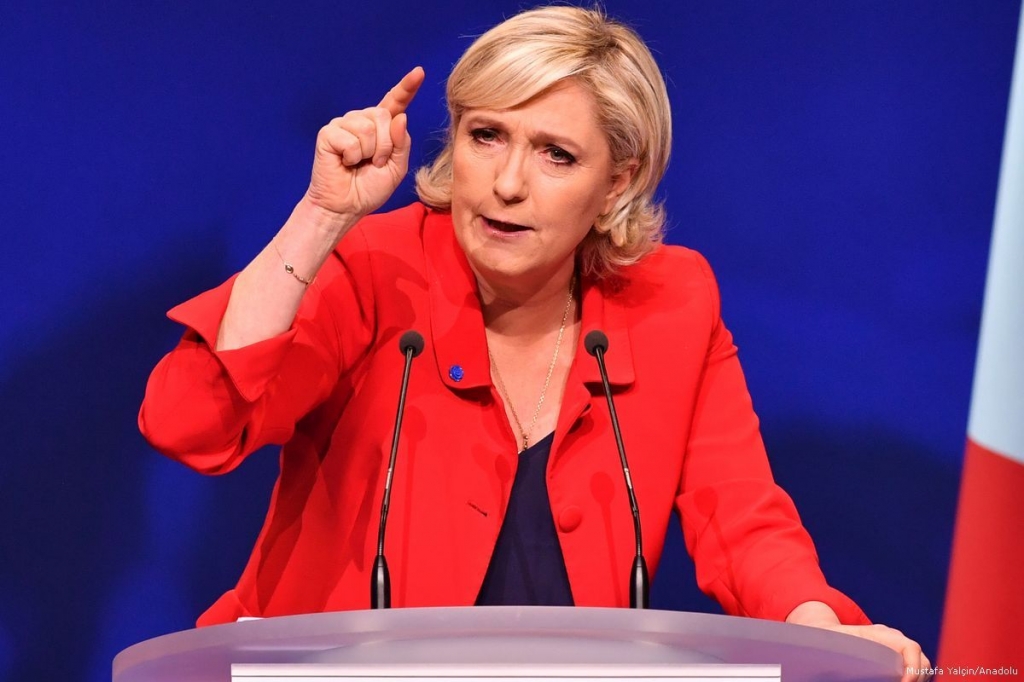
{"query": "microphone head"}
pixel 594 340
pixel 411 340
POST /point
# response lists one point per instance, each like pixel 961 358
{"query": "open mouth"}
pixel 508 228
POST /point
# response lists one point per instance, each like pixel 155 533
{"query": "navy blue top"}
pixel 527 567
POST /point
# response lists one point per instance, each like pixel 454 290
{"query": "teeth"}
pixel 505 227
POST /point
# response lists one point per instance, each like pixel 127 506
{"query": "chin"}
pixel 496 266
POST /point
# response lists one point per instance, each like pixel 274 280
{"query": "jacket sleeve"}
pixel 209 409
pixel 750 550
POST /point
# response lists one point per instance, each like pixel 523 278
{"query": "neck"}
pixel 525 313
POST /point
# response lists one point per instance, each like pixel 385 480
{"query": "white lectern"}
pixel 513 643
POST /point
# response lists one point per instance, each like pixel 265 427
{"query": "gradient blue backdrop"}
pixel 836 161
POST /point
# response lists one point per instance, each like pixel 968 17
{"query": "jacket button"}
pixel 569 518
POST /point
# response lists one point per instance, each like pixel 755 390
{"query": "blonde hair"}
pixel 528 54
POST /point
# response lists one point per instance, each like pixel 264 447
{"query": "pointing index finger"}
pixel 399 97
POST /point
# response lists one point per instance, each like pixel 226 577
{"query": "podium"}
pixel 510 642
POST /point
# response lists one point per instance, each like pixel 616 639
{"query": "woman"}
pixel 537 225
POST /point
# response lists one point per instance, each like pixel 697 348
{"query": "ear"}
pixel 620 183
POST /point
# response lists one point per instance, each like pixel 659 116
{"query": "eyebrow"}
pixel 477 119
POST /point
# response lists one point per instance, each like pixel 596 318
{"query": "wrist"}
pixel 814 613
pixel 307 238
pixel 323 220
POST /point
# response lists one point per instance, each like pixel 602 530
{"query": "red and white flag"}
pixel 983 624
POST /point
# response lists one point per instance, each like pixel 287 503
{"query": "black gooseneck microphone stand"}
pixel 411 345
pixel 596 344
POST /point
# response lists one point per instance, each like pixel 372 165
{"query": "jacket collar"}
pixel 604 311
pixel 457 326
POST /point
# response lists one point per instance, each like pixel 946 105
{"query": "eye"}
pixel 560 156
pixel 484 135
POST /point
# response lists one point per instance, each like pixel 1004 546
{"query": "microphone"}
pixel 596 344
pixel 411 345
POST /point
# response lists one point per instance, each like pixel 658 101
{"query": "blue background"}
pixel 836 161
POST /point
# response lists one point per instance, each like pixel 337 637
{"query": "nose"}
pixel 510 176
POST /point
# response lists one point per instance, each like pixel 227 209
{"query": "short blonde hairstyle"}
pixel 528 54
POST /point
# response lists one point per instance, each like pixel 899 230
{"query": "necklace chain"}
pixel 526 433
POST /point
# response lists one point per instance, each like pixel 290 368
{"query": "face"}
pixel 528 184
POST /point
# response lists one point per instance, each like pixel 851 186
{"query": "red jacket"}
pixel 327 391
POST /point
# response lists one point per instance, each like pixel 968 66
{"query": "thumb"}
pixel 401 140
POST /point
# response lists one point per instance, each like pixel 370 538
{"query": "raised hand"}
pixel 360 159
pixel 362 156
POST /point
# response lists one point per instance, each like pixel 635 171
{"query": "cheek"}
pixel 585 205
pixel 463 175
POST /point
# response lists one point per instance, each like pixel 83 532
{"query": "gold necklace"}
pixel 547 380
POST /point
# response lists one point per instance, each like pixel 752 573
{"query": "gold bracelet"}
pixel 290 269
